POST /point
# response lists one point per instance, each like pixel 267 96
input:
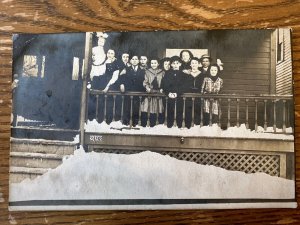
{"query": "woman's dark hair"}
pixel 214 65
pixel 166 59
pixel 154 58
pixel 195 58
pixel 188 51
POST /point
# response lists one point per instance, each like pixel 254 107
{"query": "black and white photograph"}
pixel 152 120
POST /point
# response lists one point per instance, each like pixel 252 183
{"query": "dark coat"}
pixel 173 82
pixel 133 80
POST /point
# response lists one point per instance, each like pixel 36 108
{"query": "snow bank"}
pixel 196 131
pixel 146 175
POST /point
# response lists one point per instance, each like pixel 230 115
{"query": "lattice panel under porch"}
pixel 248 163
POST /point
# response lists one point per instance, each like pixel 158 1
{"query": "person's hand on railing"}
pixel 122 88
pixel 161 91
pixel 148 90
pixel 123 72
pixel 105 90
pixel 172 95
pixel 89 85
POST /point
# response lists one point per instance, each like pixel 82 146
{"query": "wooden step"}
pixel 18 174
pixel 43 146
pixel 34 160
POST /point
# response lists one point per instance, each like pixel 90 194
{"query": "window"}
pixel 31 65
pixel 280 46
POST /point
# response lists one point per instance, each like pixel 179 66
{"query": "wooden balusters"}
pixel 193 112
pixel 140 111
pixel 183 113
pixel 166 111
pixel 210 111
pixel 157 109
pixel 114 108
pixel 97 107
pixel 131 111
pixel 238 112
pixel 228 113
pixel 265 115
pixel 220 112
pixel 255 115
pixel 201 111
pixel 274 116
pixel 122 109
pixel 175 112
pixel 284 117
pixel 247 113
pixel 148 113
pixel 105 103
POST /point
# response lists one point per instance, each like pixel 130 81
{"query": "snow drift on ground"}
pixel 196 131
pixel 146 175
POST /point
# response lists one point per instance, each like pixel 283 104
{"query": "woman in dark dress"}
pixel 105 82
pixel 193 84
pixel 186 57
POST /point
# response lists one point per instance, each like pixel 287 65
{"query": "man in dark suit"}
pixel 132 81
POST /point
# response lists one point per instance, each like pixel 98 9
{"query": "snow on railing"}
pixel 226 110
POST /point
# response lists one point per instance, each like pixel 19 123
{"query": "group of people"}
pixel 170 76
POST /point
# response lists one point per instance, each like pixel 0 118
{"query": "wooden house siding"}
pixel 284 67
pixel 247 63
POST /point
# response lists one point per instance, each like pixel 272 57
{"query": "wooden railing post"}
pixel 247 113
pixel 175 113
pixel 83 107
pixel 114 108
pixel 228 113
pixel 105 106
pixel 283 117
pixel 140 111
pixel 274 115
pixel 265 115
pixel 256 126
pixel 238 112
pixel 148 113
pixel 97 107
pixel 122 109
pixel 183 113
pixel 166 111
pixel 193 111
pixel 157 110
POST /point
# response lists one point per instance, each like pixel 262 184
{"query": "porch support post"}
pixel 87 57
pixel 282 165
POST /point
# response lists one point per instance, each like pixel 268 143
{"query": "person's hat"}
pixel 205 56
pixel 175 58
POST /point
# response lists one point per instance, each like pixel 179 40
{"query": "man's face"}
pixel 213 71
pixel 144 60
pixel 134 60
pixel 205 62
pixel 154 64
pixel 125 58
pixel 176 65
pixel 166 65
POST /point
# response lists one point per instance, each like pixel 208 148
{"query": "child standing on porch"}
pixel 152 83
pixel 212 84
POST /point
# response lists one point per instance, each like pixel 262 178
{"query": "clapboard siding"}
pixel 247 63
pixel 284 68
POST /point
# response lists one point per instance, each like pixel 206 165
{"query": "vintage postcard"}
pixel 152 120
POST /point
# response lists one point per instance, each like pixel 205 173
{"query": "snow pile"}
pixel 196 131
pixel 146 175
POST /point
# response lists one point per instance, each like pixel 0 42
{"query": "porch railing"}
pixel 263 110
